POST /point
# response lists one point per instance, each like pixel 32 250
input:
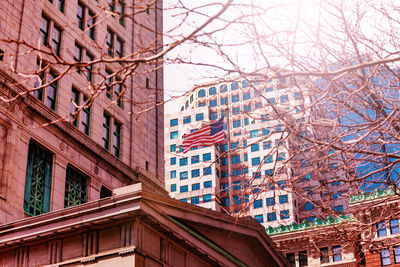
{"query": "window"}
pixel 117 139
pixel 223 88
pixel 255 147
pixel 207 157
pixel 337 195
pixel 121 12
pixel 381 229
pixel 199 117
pixel 187 119
pixel 174 135
pixel 195 159
pixel 235 111
pixel 270 201
pixel 213 103
pixel 297 96
pixel 291 259
pixel 235 98
pixel 59 4
pixel 207 184
pixel 195 200
pixel 246 121
pixel 282 184
pixel 80 15
pixel 224 100
pixel 172 148
pixel 257 203
pixel 212 91
pixel 183 189
pixel 253 133
pixel 269 172
pixel 337 253
pixel 267 145
pixel 207 198
pixel 265 132
pixel 283 199
pixel 284 99
pixel 303 261
pixel 394 226
pixel 396 254
pixel 183 200
pixel 246 96
pixel 195 187
pixel 235 159
pixel 338 209
pixel 116 149
pixel 47 29
pixel 195 173
pixel 79 53
pixel 207 171
pixel 236 186
pixel 284 214
pixel 255 161
pixel 38 180
pixel 183 175
pixel 385 257
pixel 234 86
pixel 173 122
pixel 111 39
pixel 105 192
pixel 268 159
pixel 201 93
pixel 271 216
pixel 173 187
pixel 247 108
pixel 75 187
pixel 324 255
pixel 308 206
pixel 183 161
pixel 259 218
pixel 173 174
pixel 236 123
pixel 213 115
pixel 80 117
pixel 91 24
pixel 173 161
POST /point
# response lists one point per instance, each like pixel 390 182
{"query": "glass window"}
pixel 195 187
pixel 385 257
pixel 284 99
pixel 187 119
pixel 234 86
pixel 271 216
pixel 257 203
pixel 338 209
pixel 297 96
pixel 245 83
pixel 121 12
pixel 183 175
pixel 235 111
pixel 269 172
pixel 381 229
pixel 255 147
pixel 303 261
pixel 394 226
pixel 324 255
pixel 212 91
pixel 174 135
pixel 44 30
pixel 283 199
pixel 235 159
pixel 224 100
pixel 106 130
pixel 337 253
pixel 207 157
pixel 269 89
pixel 110 42
pixel 117 139
pixel 337 195
pixel 207 198
pixel 173 161
pixel 270 201
pixel 184 188
pixel 223 88
pixel 195 173
pixel 201 93
pixel 246 121
pixel 236 123
pixel 52 91
pixel 91 25
pixel 284 214
pixel 199 117
pixel 396 254
pixel 195 200
pixel 308 206
pixel 246 96
pixel 281 156
pixel 85 120
pixel 268 159
pixel 173 187
pixel 75 187
pixel 253 133
pixel 172 148
pixel 38 180
pixel 56 40
pixel 235 98
pixel 265 132
pixel 173 122
pixel 183 200
pixel 259 218
pixel 80 15
pixel 213 103
pixel 267 145
pixel 291 259
pixel 207 184
pixel 255 161
pixel 213 115
pixel 183 161
pixel 195 159
pixel 207 171
pixel 173 174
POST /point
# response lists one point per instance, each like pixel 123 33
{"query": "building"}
pixel 81 147
pixel 272 178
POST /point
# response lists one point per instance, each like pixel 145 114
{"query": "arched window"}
pixel 212 91
pixel 223 88
pixel 234 86
pixel 245 84
pixel 201 93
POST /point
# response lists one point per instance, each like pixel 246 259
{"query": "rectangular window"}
pixel 303 261
pixel 75 187
pixel 89 68
pixel 73 107
pixel 173 161
pixel 281 156
pixel 52 91
pixel 173 122
pixel 195 159
pixel 80 16
pixel 78 51
pixel 91 25
pixel 85 119
pixel 268 159
pixel 337 195
pixel 199 117
pixel 253 133
pixel 271 217
pixel 183 188
pixel 246 96
pixel 213 103
pixel 267 145
pixel 195 187
pixel 385 257
pixel 121 12
pixel 235 111
pixel 255 161
pixel 394 226
pixel 106 130
pixel 213 115
pixel 173 187
pixel 337 253
pixel 119 48
pixel 257 203
pixel 38 180
pixel 117 139
pixel 396 254
pixel 110 42
pixel 381 229
pixel 207 198
pixel 195 200
pixel 207 171
pixel 56 40
pixel 284 214
pixel 259 218
pixel 270 201
pixel 183 161
pixel 207 184
pixel 174 135
pixel 338 209
pixel 195 173
pixel 187 119
pixel 207 157
pixel 173 174
pixel 44 30
pixel 255 147
pixel 284 99
pixel 235 98
pixel 283 199
pixel 183 175
pixel 291 259
pixel 236 123
pixel 324 255
pixel 172 148
pixel 269 89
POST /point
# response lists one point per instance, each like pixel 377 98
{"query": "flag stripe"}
pixel 203 137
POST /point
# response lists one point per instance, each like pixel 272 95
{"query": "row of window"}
pixel 385 256
pixel 38 182
pixel 271 216
pixel 267 159
pixel 325 256
pixel 393 227
pixel 196 186
pixel 270 201
pixel 195 173
pixel 196 199
pixel 194 159
pixel 222 89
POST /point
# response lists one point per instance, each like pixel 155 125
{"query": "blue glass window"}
pixel 234 86
pixel 297 96
pixel 201 93
pixel 183 188
pixel 236 186
pixel 256 175
pixel 173 122
pixel 247 108
pixel 396 254
pixel 183 200
pixel 271 216
pixel 394 226
pixel 236 110
pixel 213 103
pixel 271 100
pixel 255 147
pixel 265 117
pixel 235 98
pixel 337 253
pixel 337 195
pixel 253 133
pixel 269 172
pixel 338 209
pixel 255 161
pixel 284 214
pixel 224 100
pixel 268 159
pixel 172 148
pixel 195 173
pixel 173 174
pixel 212 91
pixel 174 135
pixel 283 199
pixel 284 99
pixel 206 198
pixel 183 175
pixel 195 187
pixel 173 187
pixel 183 161
pixel 257 203
pixel 281 156
pixel 265 132
pixel 269 89
pixel 199 117
pixel 308 206
pixel 270 201
pixel 385 257
pixel 381 229
pixel 195 200
pixel 236 123
pixel 207 171
pixel 267 145
pixel 173 161
pixel 234 145
pixel 213 115
pixel 235 159
pixel 208 184
pixel 207 157
pixel 259 218
pixel 195 159
pixel 282 184
pixel 187 119
pixel 246 96
pixel 223 88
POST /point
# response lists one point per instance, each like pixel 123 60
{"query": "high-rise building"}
pixel 271 176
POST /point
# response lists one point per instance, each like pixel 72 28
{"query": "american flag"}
pixel 205 136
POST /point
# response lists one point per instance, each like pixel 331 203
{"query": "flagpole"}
pixel 230 187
